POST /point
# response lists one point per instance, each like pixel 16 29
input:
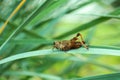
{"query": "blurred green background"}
pixel 41 22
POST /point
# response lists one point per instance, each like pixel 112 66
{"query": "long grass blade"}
pixel 113 76
pixel 89 24
pixel 32 15
pixel 98 51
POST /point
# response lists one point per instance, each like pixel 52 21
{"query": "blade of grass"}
pixel 113 76
pixel 89 24
pixel 32 15
pixel 49 29
pixel 31 41
pixel 101 15
pixel 44 16
pixel 106 47
pixel 12 14
pixel 28 32
pixel 68 11
pixel 98 51
pixel 80 6
pixel 28 73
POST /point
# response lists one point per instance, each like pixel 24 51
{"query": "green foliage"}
pixel 26 44
pixel 115 76
pixel 99 51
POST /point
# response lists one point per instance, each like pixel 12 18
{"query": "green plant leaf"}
pixel 113 76
pixel 31 41
pixel 89 24
pixel 28 73
pixel 29 18
pixel 99 51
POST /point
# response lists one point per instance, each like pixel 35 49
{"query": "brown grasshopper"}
pixel 73 43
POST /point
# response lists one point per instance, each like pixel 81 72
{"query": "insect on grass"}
pixel 74 43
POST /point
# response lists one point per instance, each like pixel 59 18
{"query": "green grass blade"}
pixel 101 15
pixel 80 6
pixel 27 32
pixel 67 12
pixel 43 17
pixel 31 41
pixel 98 51
pixel 32 15
pixel 89 24
pixel 113 76
pixel 28 73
